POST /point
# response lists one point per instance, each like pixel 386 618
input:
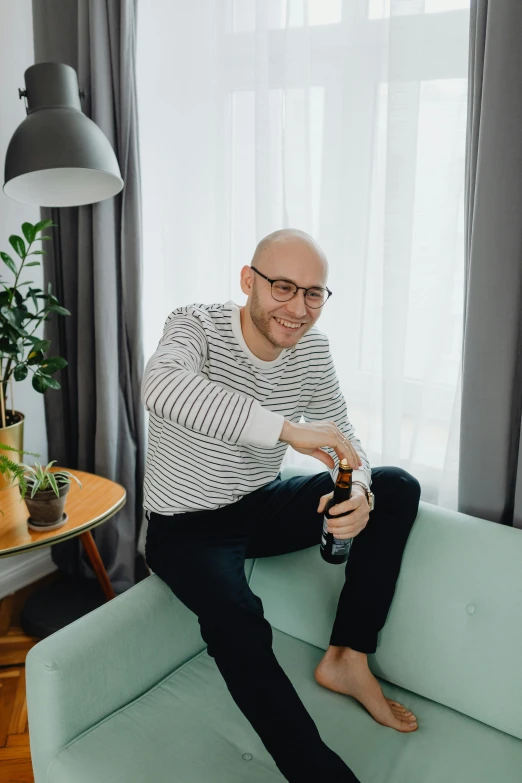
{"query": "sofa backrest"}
pixel 454 630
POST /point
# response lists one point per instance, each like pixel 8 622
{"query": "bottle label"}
pixel 339 546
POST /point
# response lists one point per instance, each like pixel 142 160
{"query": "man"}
pixel 226 389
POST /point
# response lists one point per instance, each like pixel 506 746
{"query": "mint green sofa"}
pixel 128 694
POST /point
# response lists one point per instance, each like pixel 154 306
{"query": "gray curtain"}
pixel 96 421
pixel 490 469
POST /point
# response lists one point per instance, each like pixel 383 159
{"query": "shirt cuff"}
pixel 360 475
pixel 263 429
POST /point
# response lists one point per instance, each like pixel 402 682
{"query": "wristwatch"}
pixel 370 497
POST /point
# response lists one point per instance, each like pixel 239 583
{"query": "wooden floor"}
pixel 15 756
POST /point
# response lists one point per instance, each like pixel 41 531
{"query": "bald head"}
pixel 290 251
pixel 271 323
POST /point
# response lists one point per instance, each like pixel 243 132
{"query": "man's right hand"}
pixel 312 437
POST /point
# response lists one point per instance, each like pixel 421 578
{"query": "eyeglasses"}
pixel 284 290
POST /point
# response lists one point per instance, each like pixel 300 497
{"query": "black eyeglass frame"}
pixel 297 287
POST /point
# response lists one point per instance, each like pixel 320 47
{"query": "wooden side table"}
pixel 89 506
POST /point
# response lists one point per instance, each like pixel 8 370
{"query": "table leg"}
pixel 97 564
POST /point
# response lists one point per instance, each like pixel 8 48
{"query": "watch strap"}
pixel 367 491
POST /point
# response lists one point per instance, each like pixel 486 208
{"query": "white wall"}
pixel 16 55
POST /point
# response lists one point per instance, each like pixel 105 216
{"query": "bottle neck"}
pixel 342 493
pixel 344 478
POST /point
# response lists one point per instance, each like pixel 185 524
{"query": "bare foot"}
pixel 352 676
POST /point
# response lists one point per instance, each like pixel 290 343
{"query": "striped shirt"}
pixel 216 410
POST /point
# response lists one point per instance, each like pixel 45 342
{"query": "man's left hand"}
pixel 346 524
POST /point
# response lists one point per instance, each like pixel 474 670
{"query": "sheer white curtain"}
pixel 346 120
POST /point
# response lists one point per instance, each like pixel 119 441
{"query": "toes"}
pixel 405 717
pixel 396 707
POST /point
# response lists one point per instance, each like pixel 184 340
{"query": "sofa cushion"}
pixel 187 729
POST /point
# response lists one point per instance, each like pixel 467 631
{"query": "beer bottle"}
pixel 336 550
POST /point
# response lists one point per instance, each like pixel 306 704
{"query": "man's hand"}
pixel 351 524
pixel 310 438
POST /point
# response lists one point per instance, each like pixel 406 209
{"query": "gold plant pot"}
pixel 13 435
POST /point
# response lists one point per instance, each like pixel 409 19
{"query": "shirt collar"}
pixel 238 334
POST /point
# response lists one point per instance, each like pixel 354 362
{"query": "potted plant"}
pixel 48 489
pixel 48 494
pixel 22 310
pixel 13 470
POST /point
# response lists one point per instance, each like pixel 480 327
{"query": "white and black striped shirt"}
pixel 217 410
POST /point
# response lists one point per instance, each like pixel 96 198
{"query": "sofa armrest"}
pixel 86 671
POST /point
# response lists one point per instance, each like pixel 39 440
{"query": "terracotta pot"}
pixel 46 508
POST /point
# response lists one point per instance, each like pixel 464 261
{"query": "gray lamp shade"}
pixel 57 156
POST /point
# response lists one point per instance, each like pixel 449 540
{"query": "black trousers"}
pixel 201 555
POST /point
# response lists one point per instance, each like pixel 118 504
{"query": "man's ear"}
pixel 246 280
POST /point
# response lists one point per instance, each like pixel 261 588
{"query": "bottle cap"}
pixel 344 465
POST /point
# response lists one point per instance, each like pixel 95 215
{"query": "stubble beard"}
pixel 262 322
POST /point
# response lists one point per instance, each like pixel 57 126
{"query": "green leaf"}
pixel 29 232
pixel 35 357
pixel 9 315
pixel 54 308
pixel 52 383
pixel 43 224
pixel 37 253
pixel 20 372
pixel 52 364
pixel 42 382
pixel 53 484
pixel 41 345
pixel 13 332
pixel 18 244
pixel 14 315
pixel 38 383
pixel 8 261
pixel 43 237
pixel 33 263
pixel 10 448
pixel 33 297
pixel 7 346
